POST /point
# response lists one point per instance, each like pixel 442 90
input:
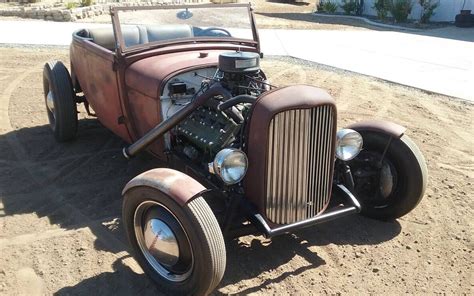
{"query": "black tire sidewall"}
pixel 411 178
pixel 200 278
pixel 56 75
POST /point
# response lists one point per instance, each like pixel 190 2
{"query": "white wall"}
pixel 445 12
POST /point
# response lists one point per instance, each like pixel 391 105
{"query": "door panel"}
pixel 93 67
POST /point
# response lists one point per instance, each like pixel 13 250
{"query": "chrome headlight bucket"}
pixel 348 144
pixel 230 165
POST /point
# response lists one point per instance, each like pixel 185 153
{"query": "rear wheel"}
pixel 60 101
pixel 391 184
pixel 180 248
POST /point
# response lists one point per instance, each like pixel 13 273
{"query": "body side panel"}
pixel 94 70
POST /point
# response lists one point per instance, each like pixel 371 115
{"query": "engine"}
pixel 210 127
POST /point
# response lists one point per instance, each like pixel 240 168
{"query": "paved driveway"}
pixel 438 64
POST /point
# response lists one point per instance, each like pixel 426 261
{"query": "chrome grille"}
pixel 299 163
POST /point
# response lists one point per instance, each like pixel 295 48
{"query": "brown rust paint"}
pixel 93 68
pixel 179 186
pixel 266 107
pixel 149 74
pixel 386 127
pixel 130 87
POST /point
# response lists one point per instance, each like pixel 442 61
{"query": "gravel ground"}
pixel 60 204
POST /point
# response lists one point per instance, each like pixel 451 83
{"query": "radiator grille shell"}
pixel 299 164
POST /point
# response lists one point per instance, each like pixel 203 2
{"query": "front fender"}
pixel 384 127
pixel 179 186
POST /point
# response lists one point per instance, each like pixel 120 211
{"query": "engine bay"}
pixel 220 122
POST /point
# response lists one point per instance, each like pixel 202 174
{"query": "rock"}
pixel 58 17
pixel 66 15
pixel 375 270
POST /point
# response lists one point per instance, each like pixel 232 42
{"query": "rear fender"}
pixel 385 127
pixel 179 186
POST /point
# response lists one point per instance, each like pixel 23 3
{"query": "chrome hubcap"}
pixel 50 102
pixel 161 242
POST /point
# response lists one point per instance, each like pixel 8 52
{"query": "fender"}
pixel 385 127
pixel 177 185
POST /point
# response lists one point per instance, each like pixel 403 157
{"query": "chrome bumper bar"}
pixel 331 214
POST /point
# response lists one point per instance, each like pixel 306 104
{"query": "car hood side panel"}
pixel 148 75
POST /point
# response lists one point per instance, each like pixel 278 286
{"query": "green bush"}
pixel 326 6
pixel 71 5
pixel 349 6
pixel 320 6
pixel 382 7
pixel 401 9
pixel 427 9
pixel 87 2
pixel 329 6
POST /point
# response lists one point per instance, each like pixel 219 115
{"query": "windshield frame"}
pixel 123 50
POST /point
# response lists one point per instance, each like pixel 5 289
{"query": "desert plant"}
pixel 329 6
pixel 71 5
pixel 349 6
pixel 401 9
pixel 427 9
pixel 87 2
pixel 382 7
pixel 320 6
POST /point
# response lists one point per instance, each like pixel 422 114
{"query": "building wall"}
pixel 445 12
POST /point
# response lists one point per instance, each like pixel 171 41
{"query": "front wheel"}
pixel 181 248
pixel 390 176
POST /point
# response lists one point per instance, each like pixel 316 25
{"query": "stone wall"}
pixel 59 13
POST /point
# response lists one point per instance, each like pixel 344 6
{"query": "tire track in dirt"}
pixel 109 240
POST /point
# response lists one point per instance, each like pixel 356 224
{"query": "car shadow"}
pixel 78 184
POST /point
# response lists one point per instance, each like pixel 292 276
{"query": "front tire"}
pixel 60 101
pixel 388 186
pixel 181 248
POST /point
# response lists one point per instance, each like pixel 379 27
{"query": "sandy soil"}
pixel 60 204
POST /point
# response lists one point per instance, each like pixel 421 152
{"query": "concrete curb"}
pixel 366 20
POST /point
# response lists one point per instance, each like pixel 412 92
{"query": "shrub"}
pixel 400 9
pixel 71 5
pixel 87 2
pixel 427 9
pixel 349 6
pixel 320 6
pixel 382 7
pixel 329 6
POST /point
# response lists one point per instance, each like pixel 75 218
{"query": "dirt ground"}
pixel 60 204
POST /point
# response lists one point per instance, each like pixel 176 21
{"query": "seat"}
pixel 136 34
pixel 168 32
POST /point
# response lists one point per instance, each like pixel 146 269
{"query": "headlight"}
pixel 230 165
pixel 348 144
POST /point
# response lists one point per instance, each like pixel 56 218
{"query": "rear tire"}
pixel 202 266
pixel 394 187
pixel 60 101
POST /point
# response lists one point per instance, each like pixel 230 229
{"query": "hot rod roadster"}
pixel 184 83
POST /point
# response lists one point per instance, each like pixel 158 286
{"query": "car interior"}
pixel 142 34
